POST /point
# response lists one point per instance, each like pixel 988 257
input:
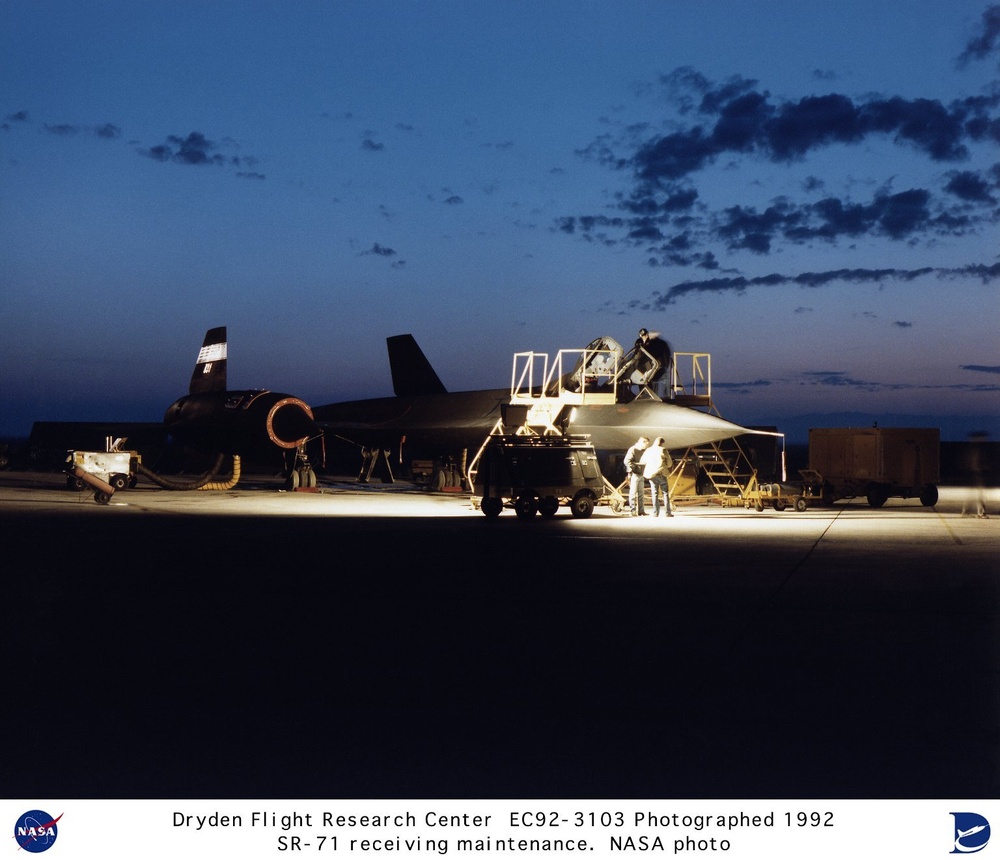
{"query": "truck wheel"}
pixel 118 481
pixel 525 507
pixel 929 496
pixel 800 504
pixel 491 506
pixel 548 506
pixel 582 506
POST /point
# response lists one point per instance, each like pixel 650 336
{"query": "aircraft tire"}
pixel 929 496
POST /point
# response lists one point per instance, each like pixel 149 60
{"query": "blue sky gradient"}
pixel 810 193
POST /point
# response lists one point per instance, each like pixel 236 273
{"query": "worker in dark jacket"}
pixel 636 481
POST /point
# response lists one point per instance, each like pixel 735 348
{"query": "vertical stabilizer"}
pixel 412 373
pixel 210 369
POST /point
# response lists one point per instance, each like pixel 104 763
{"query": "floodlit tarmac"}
pixel 380 641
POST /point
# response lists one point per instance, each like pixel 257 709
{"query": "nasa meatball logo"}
pixel 36 831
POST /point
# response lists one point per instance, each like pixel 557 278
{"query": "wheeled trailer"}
pixel 538 474
pixel 877 462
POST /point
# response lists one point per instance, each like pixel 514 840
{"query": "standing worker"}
pixel 636 481
pixel 656 465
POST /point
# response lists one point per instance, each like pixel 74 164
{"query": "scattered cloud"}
pixel 740 284
pixel 195 149
pixel 661 211
pixel 379 251
pixel 987 41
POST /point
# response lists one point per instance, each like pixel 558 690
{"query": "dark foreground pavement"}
pixel 725 654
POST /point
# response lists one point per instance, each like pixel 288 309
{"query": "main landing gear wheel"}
pixel 929 496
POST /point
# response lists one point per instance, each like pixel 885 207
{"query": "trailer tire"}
pixel 877 496
pixel 780 504
pixel 101 497
pixel 800 504
pixel 929 496
pixel 525 507
pixel 548 506
pixel 118 481
pixel 582 505
pixel 491 506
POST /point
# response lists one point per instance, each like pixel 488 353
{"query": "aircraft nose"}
pixel 290 423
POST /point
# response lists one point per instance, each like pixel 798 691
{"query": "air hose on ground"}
pixel 193 483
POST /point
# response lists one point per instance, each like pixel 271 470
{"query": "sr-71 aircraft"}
pixel 210 420
pixel 597 398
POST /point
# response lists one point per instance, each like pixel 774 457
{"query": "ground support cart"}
pixel 538 474
pixel 783 494
pixel 104 471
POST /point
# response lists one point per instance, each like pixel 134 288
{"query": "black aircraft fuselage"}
pixel 424 417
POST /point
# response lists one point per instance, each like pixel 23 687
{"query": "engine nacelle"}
pixel 236 422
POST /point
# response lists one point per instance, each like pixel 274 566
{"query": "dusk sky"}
pixel 810 192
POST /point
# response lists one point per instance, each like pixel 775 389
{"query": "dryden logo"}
pixel 972 832
pixel 36 831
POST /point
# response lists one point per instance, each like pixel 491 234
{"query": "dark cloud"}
pixel 19 116
pixel 371 145
pixel 981 368
pixel 379 251
pixel 740 284
pixel 108 131
pixel 968 185
pixel 62 130
pixel 737 117
pixel 902 324
pixel 454 200
pixel 195 149
pixel 987 41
